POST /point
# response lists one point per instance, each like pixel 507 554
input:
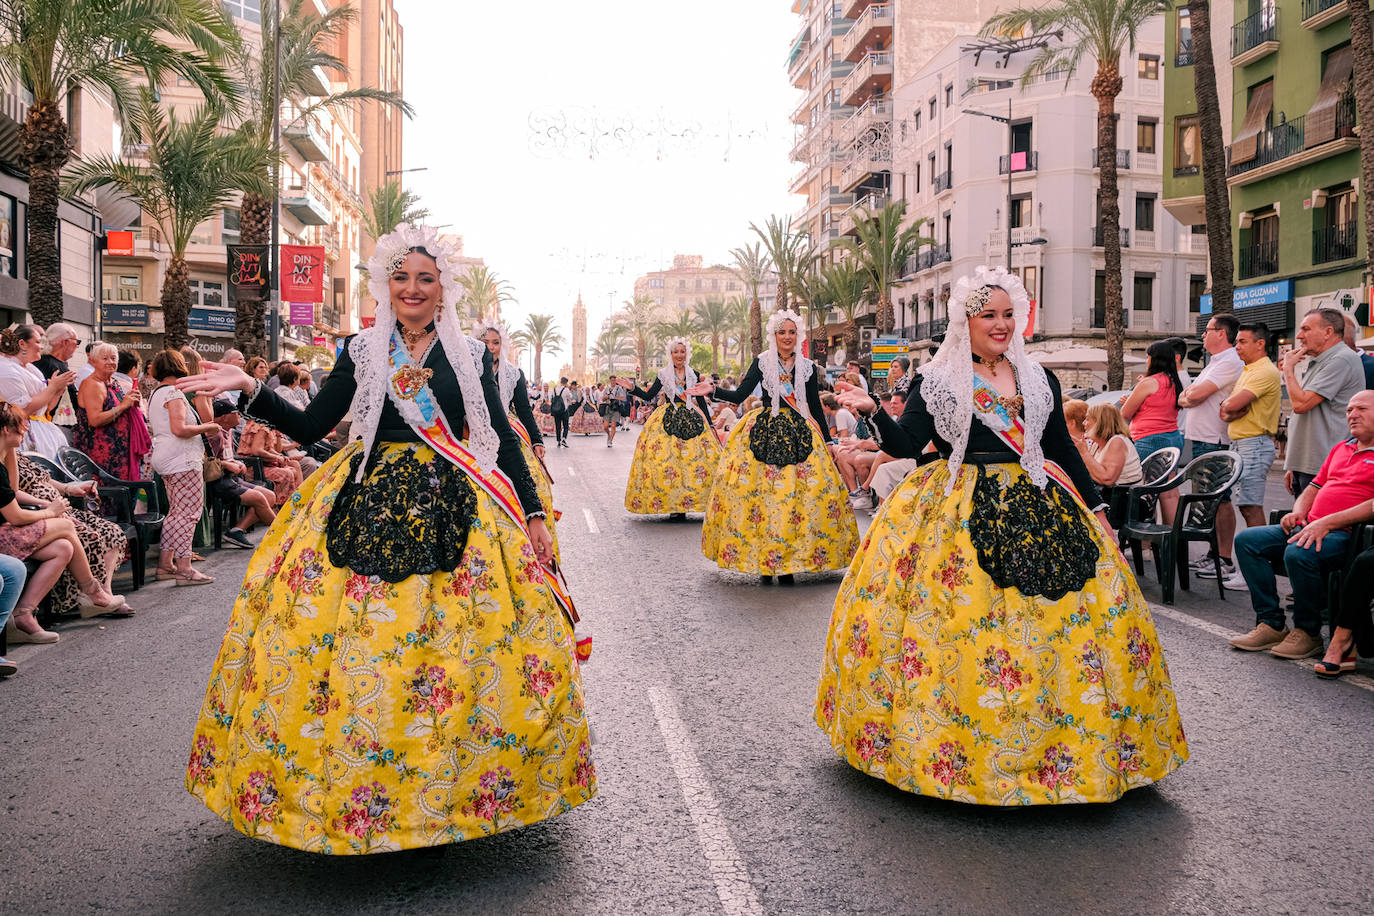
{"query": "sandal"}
pixel 1334 669
pixel 94 600
pixel 163 575
pixel 194 577
pixel 16 635
pixel 196 558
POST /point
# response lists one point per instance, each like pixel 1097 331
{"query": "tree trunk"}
pixel 715 352
pixel 851 340
pixel 250 315
pixel 176 303
pixel 886 320
pixel 538 363
pixel 46 146
pixel 1362 49
pixel 1106 85
pixel 1217 205
pixel 755 327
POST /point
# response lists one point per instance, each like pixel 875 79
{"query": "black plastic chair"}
pixel 124 494
pixel 1208 478
pixel 137 560
pixel 1157 467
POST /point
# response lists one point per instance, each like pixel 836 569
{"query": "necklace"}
pixel 990 364
pixel 410 337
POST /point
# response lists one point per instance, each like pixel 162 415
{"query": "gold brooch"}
pixel 409 380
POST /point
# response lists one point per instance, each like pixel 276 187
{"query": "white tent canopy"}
pixel 1365 344
pixel 1091 358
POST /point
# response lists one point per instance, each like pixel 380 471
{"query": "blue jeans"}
pixel 13 575
pixel 1148 445
pixel 1307 569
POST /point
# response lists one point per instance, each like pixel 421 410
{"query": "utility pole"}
pixel 274 258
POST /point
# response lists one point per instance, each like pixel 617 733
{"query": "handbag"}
pixel 601 409
pixel 212 467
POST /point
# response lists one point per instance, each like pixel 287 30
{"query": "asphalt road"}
pixel 718 794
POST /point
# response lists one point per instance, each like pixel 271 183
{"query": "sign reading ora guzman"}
pixel 1263 294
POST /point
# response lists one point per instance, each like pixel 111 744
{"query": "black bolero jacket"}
pixel 336 396
pixel 754 378
pixel 648 396
pixel 907 437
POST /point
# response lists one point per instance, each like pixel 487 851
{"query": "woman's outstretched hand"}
pixel 701 390
pixel 216 380
pixel 854 398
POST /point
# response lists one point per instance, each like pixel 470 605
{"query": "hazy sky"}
pixel 576 146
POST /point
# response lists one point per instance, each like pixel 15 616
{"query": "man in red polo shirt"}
pixel 1310 540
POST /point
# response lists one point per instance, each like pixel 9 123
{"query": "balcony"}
pixel 1283 147
pixel 798 54
pixel 1184 57
pixel 315 81
pixel 1318 14
pixel 329 320
pixel 872 29
pixel 1018 162
pixel 944 181
pixel 870 203
pixel 1255 37
pixel 851 8
pixel 1335 243
pixel 1123 159
pixel 873 111
pixel 873 72
pixel 912 266
pixel 941 255
pixel 336 181
pixel 865 161
pixel 308 137
pixel 1099 237
pixel 327 237
pixel 1187 171
pixel 995 246
pixel 304 203
pixel 1258 259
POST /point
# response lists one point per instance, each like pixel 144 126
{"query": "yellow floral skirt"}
pixel 777 519
pixel 670 474
pixel 348 715
pixel 544 485
pixel 942 683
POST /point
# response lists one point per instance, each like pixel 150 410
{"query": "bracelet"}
pixel 540 514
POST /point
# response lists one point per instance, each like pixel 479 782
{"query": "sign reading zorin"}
pixel 1246 296
pixel 302 273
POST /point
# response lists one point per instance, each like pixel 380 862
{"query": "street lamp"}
pixel 391 172
pixel 1006 121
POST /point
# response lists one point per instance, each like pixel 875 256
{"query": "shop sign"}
pixel 125 316
pixel 205 319
pixel 319 341
pixel 302 313
pixel 120 242
pixel 1246 296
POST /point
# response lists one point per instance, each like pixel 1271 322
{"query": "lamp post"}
pixel 1006 121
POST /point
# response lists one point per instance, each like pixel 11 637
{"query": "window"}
pixel 1143 293
pixel 715 284
pixel 918 178
pixel 1336 235
pixel 1021 137
pixel 122 287
pixel 731 285
pixel 1145 135
pixel 6 235
pixel 209 293
pixel 1100 299
pixel 916 119
pixel 1144 213
pixel 932 110
pixel 681 283
pixel 949 96
pixel 1031 280
pixel 698 282
pixel 655 283
pixel 1020 211
pixel 1197 285
pixel 243 9
pixel 1187 146
pixel 1184 42
pixel 1147 67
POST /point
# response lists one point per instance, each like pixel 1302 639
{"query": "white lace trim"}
pixel 371 349
pixel 507 372
pixel 667 376
pixel 770 364
pixel 947 380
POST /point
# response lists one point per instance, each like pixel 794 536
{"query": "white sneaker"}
pixel 1208 571
pixel 1234 580
pixel 863 501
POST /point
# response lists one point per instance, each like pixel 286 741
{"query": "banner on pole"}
pixel 248 273
pixel 302 273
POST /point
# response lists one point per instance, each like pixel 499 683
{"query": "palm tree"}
pixel 1362 50
pixel 751 266
pixel 882 249
pixel 686 325
pixel 539 334
pixel 483 293
pixel 1105 29
pixel 610 345
pixel 193 168
pixel 738 309
pixel 814 300
pixel 790 252
pixel 54 47
pixel 389 205
pixel 639 318
pixel 1216 195
pixel 845 287
pixel 713 318
pixel 306 39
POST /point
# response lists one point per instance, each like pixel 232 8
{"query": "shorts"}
pixel 1148 445
pixel 1206 448
pixel 1256 458
pixel 613 417
pixel 230 486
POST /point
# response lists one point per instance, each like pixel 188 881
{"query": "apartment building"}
pixel 957 170
pixel 1293 163
pixel 1182 137
pixel 690 282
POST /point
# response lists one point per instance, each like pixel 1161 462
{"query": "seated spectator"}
pixel 839 419
pixel 234 485
pixel 107 428
pixel 45 535
pixel 1352 631
pixel 257 368
pixel 22 385
pixel 894 403
pixel 62 343
pixel 724 420
pixel 1106 447
pixel 13 574
pixel 1075 412
pixel 1311 540
pixel 855 457
pixel 263 442
pixel 289 386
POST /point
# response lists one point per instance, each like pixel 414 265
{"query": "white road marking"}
pixel 728 871
pixel 1355 680
pixel 591 522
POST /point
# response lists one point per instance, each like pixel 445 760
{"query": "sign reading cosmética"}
pixel 302 273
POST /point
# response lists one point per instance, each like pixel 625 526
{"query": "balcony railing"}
pixel 1258 259
pixel 1018 162
pixel 1099 238
pixel 877 16
pixel 1254 31
pixel 1311 9
pixel 874 63
pixel 1184 57
pixel 944 181
pixel 329 317
pixel 1289 139
pixel 912 265
pixel 1186 171
pixel 1123 159
pixel 1335 243
pixel 942 253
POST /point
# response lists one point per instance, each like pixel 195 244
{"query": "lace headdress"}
pixel 770 364
pixel 947 380
pixel 371 348
pixel 507 372
pixel 667 376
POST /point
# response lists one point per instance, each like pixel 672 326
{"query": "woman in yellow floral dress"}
pixel 778 505
pixel 677 451
pixel 989 644
pixel 397 670
pixel 516 398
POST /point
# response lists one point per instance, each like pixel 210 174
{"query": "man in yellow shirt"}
pixel 1252 414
